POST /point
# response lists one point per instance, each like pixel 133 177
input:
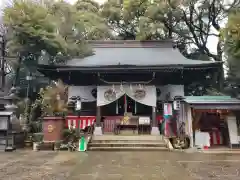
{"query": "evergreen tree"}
pixel 231 37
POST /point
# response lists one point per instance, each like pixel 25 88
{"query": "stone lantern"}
pixel 14 137
pixel 10 106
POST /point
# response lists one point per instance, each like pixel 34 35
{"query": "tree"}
pixel 136 19
pixel 197 20
pixel 95 26
pixel 82 18
pixel 69 28
pixel 231 37
pixel 45 27
pixel 189 22
pixel 231 34
pixel 32 29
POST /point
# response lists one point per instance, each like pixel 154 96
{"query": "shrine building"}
pixel 133 80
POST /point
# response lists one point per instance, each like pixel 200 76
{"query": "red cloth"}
pixel 216 138
pixel 80 122
pixel 159 118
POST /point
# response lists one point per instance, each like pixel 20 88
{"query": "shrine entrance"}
pixel 126 116
pixel 127 113
pixel 124 105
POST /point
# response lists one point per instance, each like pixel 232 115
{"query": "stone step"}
pixel 128 149
pixel 128 141
pixel 128 138
pixel 127 144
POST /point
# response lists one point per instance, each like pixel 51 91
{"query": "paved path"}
pixel 24 165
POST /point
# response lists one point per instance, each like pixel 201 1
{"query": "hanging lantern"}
pixel 78 104
pixel 176 105
pixel 117 107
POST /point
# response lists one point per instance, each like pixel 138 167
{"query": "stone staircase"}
pixel 127 143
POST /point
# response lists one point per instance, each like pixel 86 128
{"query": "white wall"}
pixel 232 128
pixel 85 91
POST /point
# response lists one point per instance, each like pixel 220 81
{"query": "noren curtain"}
pixel 148 99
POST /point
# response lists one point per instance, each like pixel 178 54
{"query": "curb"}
pixel 220 152
pixel 207 151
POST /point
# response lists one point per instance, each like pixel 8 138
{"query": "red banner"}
pixel 80 122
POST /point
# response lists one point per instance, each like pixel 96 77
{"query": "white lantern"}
pixel 176 105
pixel 78 105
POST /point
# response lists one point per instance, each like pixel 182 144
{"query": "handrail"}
pixel 181 128
pixel 90 133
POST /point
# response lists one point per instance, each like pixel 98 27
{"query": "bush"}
pixel 37 137
pixel 70 135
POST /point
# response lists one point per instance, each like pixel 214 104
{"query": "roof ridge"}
pixel 168 43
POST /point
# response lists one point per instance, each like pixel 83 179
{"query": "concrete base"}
pixel 98 131
pixel 155 131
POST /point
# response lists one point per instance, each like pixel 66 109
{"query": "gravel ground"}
pixel 24 165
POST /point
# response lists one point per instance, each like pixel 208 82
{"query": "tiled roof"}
pixel 136 53
pixel 211 100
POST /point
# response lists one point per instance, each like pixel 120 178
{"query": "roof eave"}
pixel 129 67
pixel 212 103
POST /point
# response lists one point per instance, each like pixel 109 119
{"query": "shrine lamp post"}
pixel 78 108
pixel 29 79
pixel 2 49
pixel 177 107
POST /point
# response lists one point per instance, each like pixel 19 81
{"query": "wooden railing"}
pixel 109 123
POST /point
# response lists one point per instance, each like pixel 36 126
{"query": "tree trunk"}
pixel 3 74
pixel 17 74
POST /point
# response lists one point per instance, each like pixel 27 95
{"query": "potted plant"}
pixel 71 138
pixel 53 101
pixel 28 142
pixel 37 141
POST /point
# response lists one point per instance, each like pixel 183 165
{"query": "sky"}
pixel 1 3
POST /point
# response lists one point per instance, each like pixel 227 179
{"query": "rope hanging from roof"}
pixel 123 82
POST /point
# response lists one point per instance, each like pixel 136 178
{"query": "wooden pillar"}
pixel 125 104
pixel 190 127
pixel 155 129
pixel 98 118
pixel 154 120
pixel 98 129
